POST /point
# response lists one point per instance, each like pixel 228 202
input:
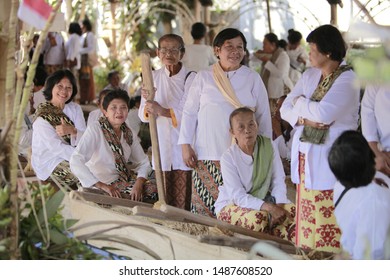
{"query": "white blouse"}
pixel 72 49
pixel 339 107
pixel 93 160
pixel 205 122
pixel 376 115
pixel 279 75
pixel 171 93
pixel 198 57
pixel 49 149
pixel 363 215
pixel 237 171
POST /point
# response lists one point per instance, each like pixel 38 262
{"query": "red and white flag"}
pixel 34 13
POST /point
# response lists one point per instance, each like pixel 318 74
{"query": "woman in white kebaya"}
pixel 58 126
pixel 253 194
pixel 102 158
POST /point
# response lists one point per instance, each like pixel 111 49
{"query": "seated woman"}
pixel 108 145
pixel 253 194
pixel 361 196
pixel 97 113
pixel 57 128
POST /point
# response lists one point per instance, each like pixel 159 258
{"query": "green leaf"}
pixel 52 206
pixel 4 196
pixel 58 237
pixel 70 222
pixel 5 222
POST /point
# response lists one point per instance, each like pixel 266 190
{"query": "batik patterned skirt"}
pixel 178 188
pixel 206 179
pixel 64 176
pixel 316 226
pixel 257 220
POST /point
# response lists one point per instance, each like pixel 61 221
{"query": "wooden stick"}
pixel 105 199
pixel 243 243
pixel 150 213
pixel 149 86
pixel 212 222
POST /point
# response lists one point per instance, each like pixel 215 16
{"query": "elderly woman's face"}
pixel 170 52
pixel 116 112
pixel 231 52
pixel 244 129
pixel 62 91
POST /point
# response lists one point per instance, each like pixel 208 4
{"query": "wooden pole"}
pixel 149 86
pixel 269 16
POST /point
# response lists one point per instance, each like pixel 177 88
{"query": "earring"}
pixel 328 55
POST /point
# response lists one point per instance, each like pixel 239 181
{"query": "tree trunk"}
pixel 9 97
pixel 113 31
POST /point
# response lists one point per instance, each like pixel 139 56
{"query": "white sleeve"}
pixel 79 122
pixel 139 159
pixel 333 104
pixel 263 113
pixel 287 111
pixel 91 44
pixel 44 130
pixel 369 124
pixel 278 184
pixel 233 185
pixel 190 113
pixel 179 110
pixel 88 145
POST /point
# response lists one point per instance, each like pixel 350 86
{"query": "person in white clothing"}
pixel 198 56
pixel 72 48
pixel 204 131
pixel 375 115
pixel 107 146
pixel 94 115
pixel 88 60
pixel 53 52
pixel 171 83
pixel 324 103
pixel 275 69
pixel 361 198
pixel 253 194
pixel 299 59
pixel 114 81
pixel 58 126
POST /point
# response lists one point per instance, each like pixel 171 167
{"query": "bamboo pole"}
pixel 149 86
pixel 9 89
pixel 14 137
pixel 10 76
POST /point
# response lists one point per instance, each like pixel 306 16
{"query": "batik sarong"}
pixel 316 226
pixel 178 188
pixel 257 220
pixel 206 179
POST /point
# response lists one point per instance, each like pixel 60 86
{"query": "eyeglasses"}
pixel 171 51
pixel 231 48
pixel 62 88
